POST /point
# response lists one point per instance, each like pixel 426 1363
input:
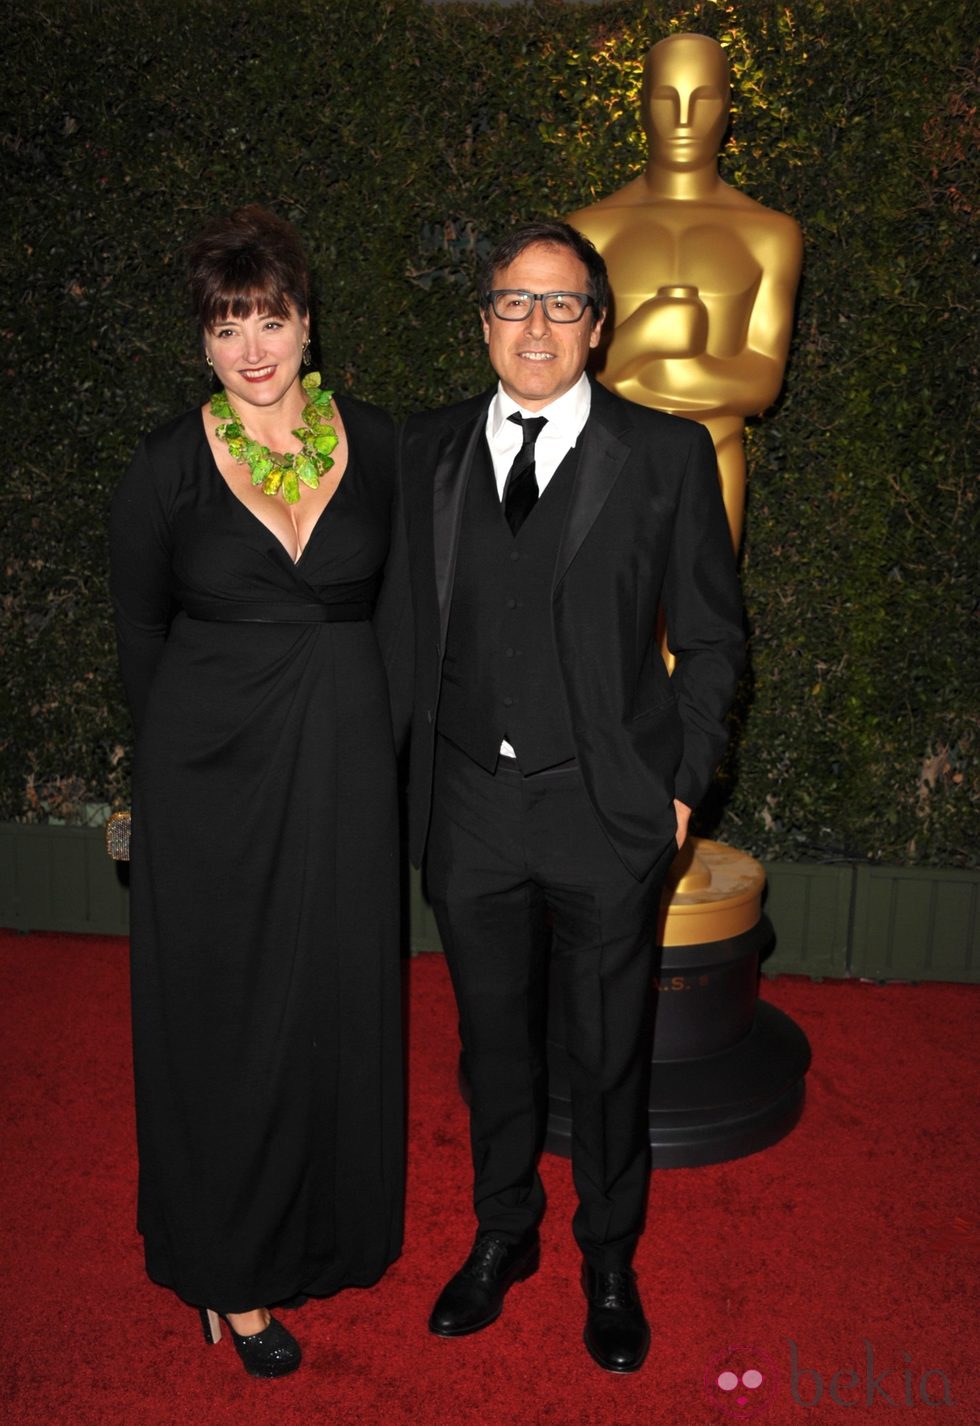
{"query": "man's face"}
pixel 537 360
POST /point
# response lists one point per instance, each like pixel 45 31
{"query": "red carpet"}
pixel 859 1233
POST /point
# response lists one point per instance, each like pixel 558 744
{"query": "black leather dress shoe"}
pixel 616 1331
pixel 473 1297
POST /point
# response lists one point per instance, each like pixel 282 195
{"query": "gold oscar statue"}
pixel 704 281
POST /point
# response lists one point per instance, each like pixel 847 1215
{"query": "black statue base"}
pixel 728 1070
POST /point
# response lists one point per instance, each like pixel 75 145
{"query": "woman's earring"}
pixel 306 352
pixel 210 363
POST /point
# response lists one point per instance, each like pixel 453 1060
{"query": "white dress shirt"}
pixel 566 418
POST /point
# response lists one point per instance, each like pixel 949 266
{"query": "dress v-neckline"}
pixel 254 519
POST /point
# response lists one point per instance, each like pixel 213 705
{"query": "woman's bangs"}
pixel 225 304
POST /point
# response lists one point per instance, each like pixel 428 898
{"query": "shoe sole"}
pixel 530 1268
pixel 468 1331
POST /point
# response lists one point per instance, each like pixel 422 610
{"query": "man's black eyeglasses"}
pixel 512 305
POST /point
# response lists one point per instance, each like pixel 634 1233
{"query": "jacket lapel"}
pixel 604 453
pixel 454 462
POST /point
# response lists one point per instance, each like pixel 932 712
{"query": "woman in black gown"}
pixel 265 969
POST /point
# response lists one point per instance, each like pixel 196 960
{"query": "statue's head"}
pixel 685 100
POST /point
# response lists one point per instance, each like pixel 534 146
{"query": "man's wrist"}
pixel 682 813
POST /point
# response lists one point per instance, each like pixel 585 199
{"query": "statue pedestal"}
pixel 728 1070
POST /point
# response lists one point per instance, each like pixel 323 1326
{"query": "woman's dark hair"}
pixel 551 234
pixel 247 260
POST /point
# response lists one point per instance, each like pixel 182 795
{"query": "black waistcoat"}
pixel 501 677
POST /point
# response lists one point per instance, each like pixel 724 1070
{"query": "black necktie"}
pixel 521 487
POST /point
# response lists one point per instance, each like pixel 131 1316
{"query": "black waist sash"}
pixel 223 611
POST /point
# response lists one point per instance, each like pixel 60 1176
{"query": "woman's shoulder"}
pixel 181 433
pixel 364 416
pixel 165 458
pixel 373 439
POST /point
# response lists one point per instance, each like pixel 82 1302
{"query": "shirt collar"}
pixel 566 416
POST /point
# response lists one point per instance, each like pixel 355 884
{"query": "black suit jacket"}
pixel 645 526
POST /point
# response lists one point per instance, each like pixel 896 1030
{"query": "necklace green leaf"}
pixel 276 471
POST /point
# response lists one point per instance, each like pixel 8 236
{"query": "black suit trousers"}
pixel 524 882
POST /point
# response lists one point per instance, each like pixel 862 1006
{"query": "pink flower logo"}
pixel 740 1381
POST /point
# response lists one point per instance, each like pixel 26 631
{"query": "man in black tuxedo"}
pixel 554 763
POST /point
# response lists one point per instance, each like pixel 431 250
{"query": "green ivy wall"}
pixel 402 137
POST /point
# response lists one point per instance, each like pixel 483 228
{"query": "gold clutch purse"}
pixel 117 836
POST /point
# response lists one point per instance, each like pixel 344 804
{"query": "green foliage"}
pixel 401 138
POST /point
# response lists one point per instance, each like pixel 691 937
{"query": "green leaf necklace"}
pixel 274 470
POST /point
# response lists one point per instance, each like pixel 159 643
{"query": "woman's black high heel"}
pixel 270 1353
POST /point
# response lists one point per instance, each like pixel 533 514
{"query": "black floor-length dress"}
pixel 265 964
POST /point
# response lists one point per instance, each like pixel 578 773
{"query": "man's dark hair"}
pixel 553 234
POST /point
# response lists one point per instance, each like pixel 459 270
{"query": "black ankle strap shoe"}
pixel 273 1352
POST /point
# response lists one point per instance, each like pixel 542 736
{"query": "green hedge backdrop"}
pixel 401 137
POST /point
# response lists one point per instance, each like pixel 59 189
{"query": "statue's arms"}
pixel 679 351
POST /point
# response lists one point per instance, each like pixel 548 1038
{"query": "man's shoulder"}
pixel 624 417
pixel 430 424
